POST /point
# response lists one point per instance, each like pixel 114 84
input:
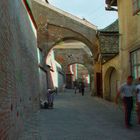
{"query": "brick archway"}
pixel 87 66
pixel 67 55
pixel 56 34
pixel 55 25
pixel 77 72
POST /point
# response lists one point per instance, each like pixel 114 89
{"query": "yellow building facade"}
pixel 127 62
pixel 109 60
pixel 129 28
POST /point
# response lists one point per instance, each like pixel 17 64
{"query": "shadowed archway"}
pixel 111 83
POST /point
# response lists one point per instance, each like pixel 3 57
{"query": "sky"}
pixel 92 10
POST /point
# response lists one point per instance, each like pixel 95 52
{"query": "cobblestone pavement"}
pixel 77 117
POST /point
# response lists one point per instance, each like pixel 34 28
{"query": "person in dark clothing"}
pixel 138 100
pixel 50 97
pixel 126 92
pixel 82 88
pixel 79 87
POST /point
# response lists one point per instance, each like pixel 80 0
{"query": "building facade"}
pixel 106 64
pixel 127 62
pixel 129 29
pixel 55 74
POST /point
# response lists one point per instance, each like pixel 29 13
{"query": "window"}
pixel 136 6
pixel 135 63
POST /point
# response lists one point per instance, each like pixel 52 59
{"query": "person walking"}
pixel 138 100
pixel 75 86
pixel 50 97
pixel 82 88
pixel 127 91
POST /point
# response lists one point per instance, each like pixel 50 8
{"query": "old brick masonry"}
pixel 19 77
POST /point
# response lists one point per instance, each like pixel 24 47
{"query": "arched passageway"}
pixel 63 55
pixel 55 26
pixel 63 26
pixel 111 83
pixel 77 73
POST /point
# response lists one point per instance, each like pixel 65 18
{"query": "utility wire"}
pixel 95 10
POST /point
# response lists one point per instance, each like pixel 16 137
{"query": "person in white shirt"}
pixel 138 100
pixel 127 91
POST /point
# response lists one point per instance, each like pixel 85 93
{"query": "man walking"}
pixel 82 86
pixel 126 91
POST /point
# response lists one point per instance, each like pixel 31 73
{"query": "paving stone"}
pixel 77 117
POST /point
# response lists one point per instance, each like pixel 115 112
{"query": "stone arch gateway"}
pixel 55 25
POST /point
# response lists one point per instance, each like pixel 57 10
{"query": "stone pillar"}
pixel 69 77
pixel 69 82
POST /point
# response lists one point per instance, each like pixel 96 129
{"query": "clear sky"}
pixel 92 10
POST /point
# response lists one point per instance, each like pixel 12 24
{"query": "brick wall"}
pixel 18 69
pixel 43 84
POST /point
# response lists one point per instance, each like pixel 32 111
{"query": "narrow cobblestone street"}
pixel 77 117
pixel 48 48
